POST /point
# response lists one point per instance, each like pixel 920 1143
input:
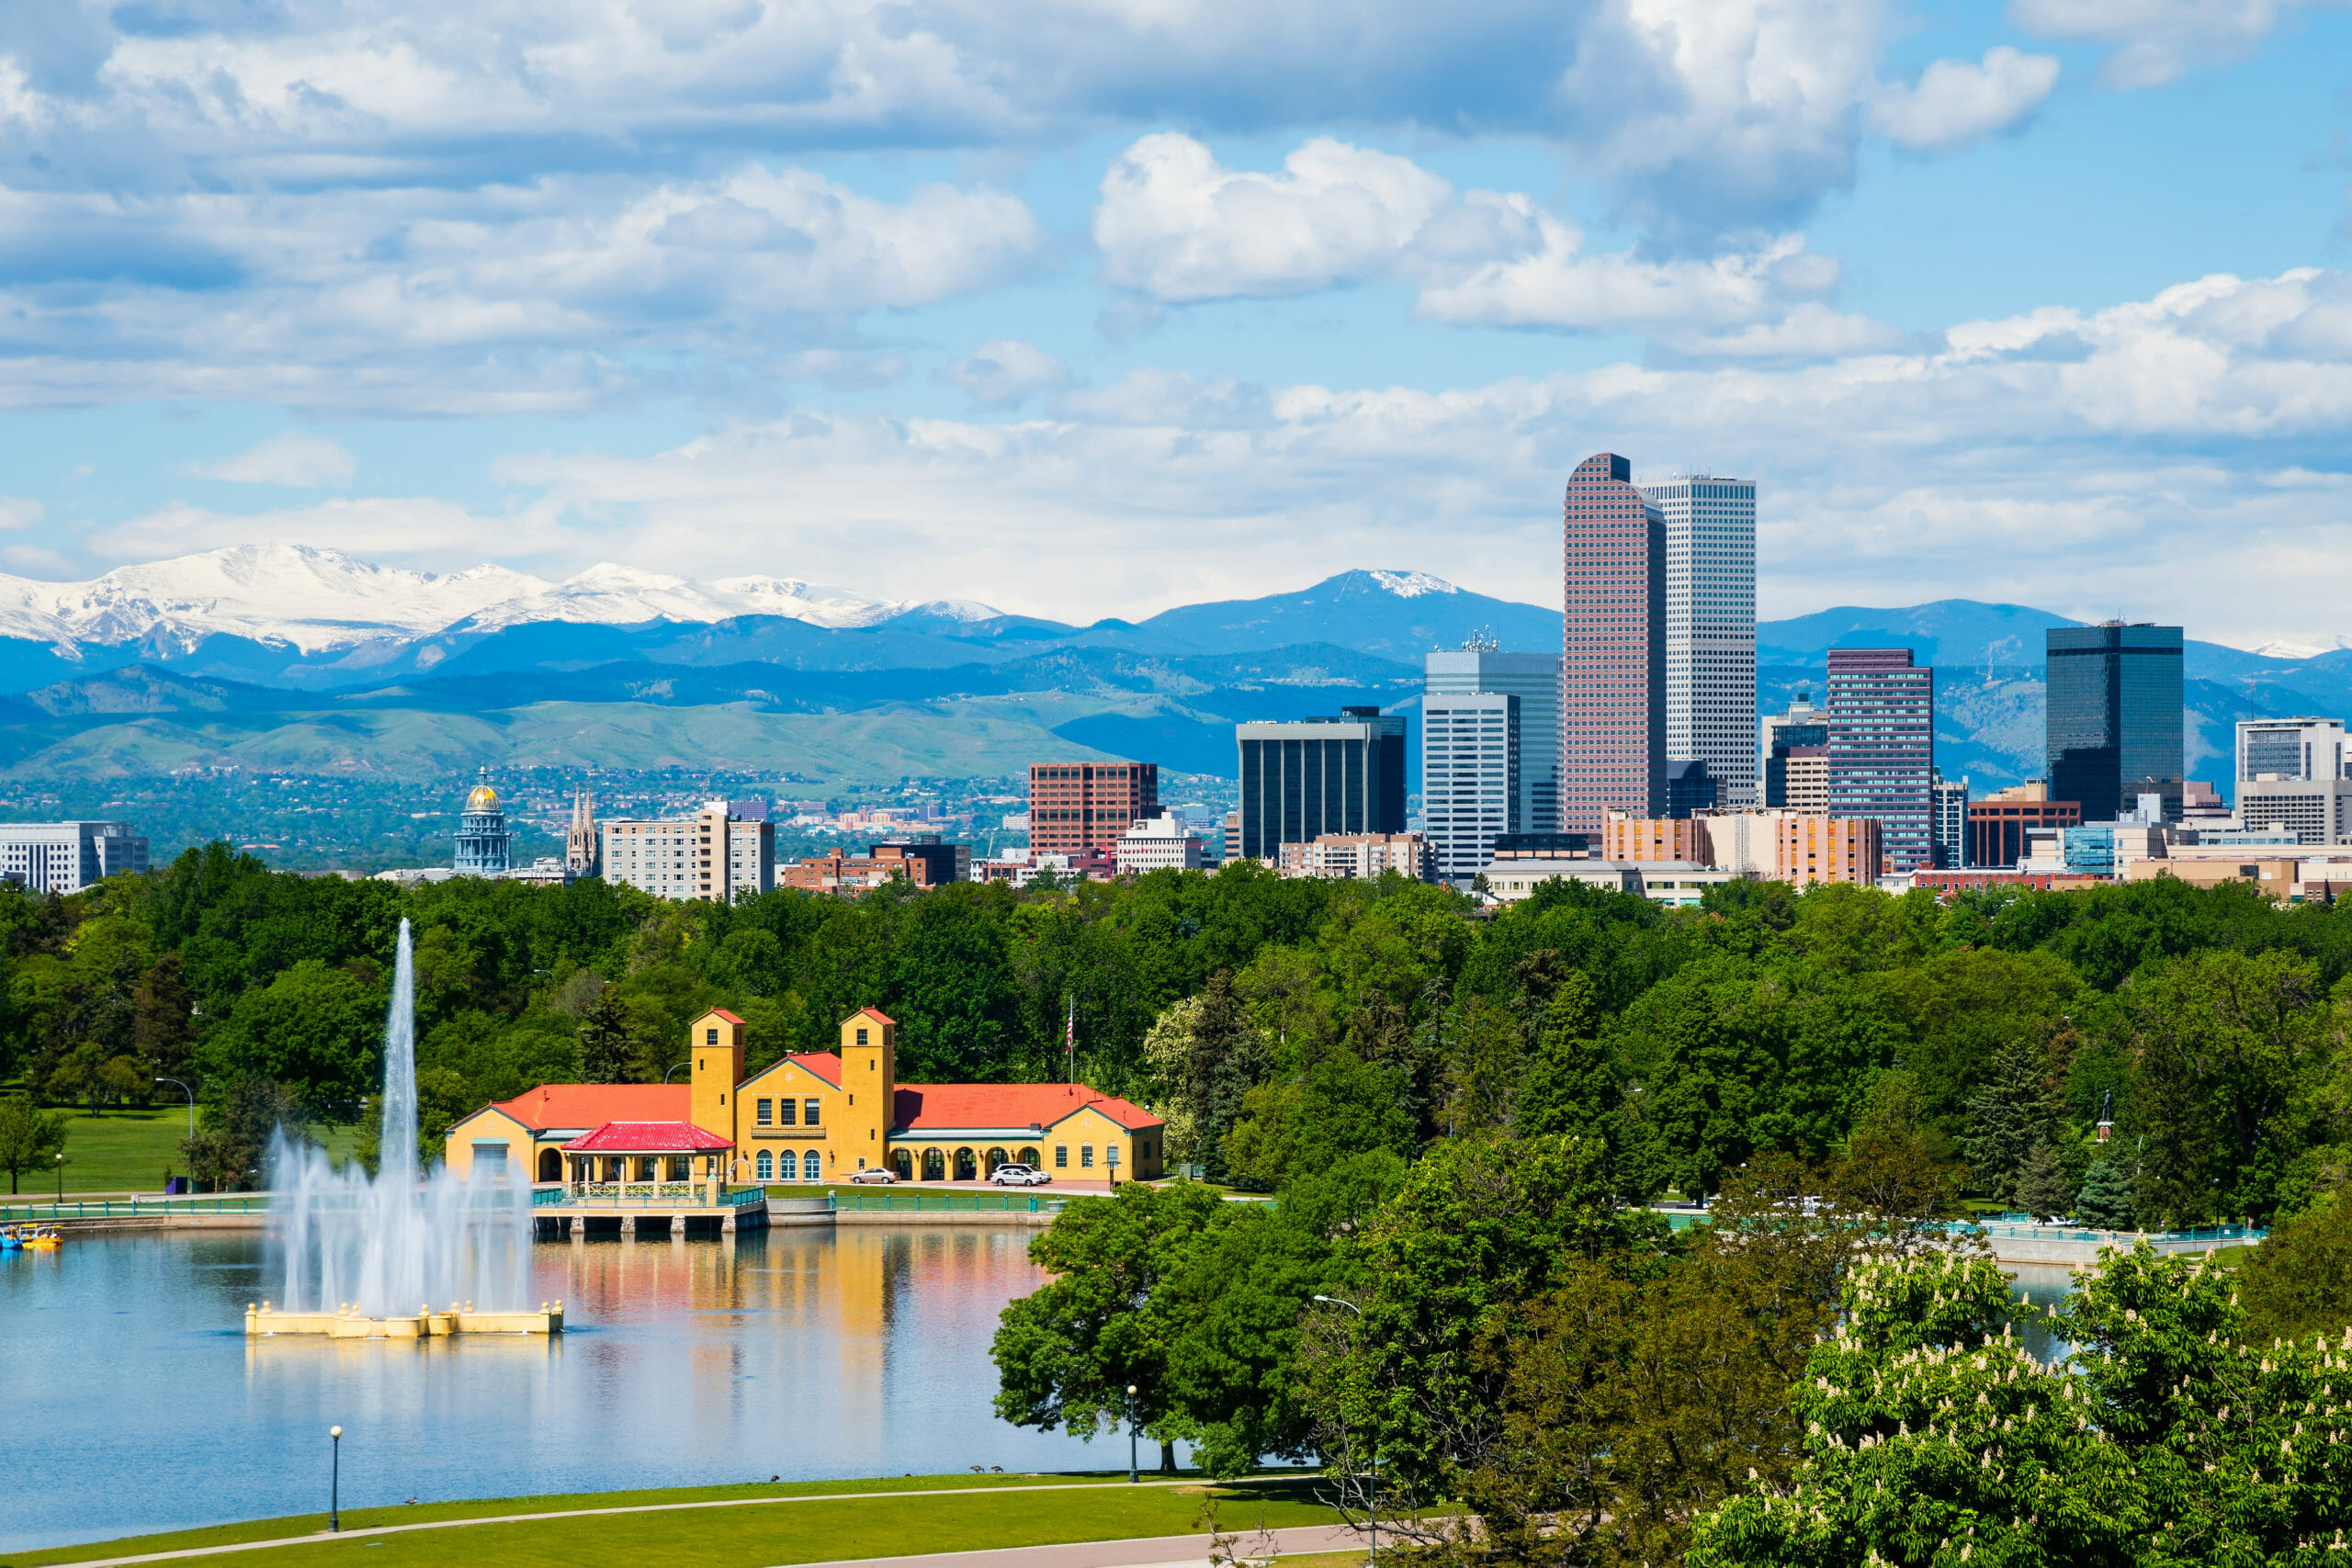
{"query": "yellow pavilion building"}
pixel 819 1117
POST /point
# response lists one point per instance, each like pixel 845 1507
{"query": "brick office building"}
pixel 1082 807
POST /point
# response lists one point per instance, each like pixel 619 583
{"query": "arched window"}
pixel 1029 1158
pixel 550 1166
pixel 934 1165
pixel 902 1164
pixel 810 1169
pixel 991 1161
pixel 764 1167
pixel 967 1168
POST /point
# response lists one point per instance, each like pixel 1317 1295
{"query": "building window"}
pixel 1086 1156
pixel 1061 1157
pixel 808 1113
pixel 710 1035
pixel 810 1169
pixel 861 1036
pixel 1111 1155
pixel 764 1167
pixel 682 1168
pixel 767 1113
pixel 787 1108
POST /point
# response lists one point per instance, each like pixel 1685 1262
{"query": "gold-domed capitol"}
pixel 484 846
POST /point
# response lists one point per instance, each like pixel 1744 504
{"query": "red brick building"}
pixel 1082 807
pixel 1997 829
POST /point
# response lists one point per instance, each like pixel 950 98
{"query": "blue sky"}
pixel 1093 307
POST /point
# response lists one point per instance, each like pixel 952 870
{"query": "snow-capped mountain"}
pixel 317 600
pixel 311 598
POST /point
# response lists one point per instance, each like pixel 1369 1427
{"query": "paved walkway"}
pixel 1132 1553
pixel 1153 1552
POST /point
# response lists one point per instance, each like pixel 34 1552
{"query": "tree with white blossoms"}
pixel 1935 1437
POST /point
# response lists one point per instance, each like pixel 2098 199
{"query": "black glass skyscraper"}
pixel 2115 724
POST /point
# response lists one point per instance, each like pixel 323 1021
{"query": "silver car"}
pixel 1019 1176
pixel 871 1174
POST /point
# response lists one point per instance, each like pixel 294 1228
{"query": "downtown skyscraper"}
pixel 2115 728
pixel 1882 751
pixel 1612 649
pixel 1711 628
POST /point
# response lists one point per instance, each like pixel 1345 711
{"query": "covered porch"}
pixel 671 1162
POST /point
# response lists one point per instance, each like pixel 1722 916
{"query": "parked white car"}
pixel 871 1174
pixel 1019 1176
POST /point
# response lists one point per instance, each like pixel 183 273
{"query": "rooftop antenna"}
pixel 1482 640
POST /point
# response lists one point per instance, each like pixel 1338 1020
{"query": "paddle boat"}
pixel 9 1240
pixel 45 1237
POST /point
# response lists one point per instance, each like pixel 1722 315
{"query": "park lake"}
pixel 135 1402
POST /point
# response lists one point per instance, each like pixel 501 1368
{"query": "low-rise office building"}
pixel 923 862
pixel 1364 856
pixel 1678 839
pixel 1829 848
pixel 2317 811
pixel 1998 825
pixel 1160 843
pixel 66 857
pixel 1509 881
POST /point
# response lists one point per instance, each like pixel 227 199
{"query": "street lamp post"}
pixel 687 1063
pixel 1372 1495
pixel 1132 1477
pixel 60 1177
pixel 334 1481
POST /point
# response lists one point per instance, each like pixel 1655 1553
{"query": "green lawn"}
pixel 131 1151
pixel 832 1527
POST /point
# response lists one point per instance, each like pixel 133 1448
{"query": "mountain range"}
pixel 283 657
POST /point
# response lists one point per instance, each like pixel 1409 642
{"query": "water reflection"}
pixel 135 1405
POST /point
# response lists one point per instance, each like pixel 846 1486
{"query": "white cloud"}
pixel 1005 373
pixel 1179 227
pixel 289 458
pixel 1954 102
pixel 556 295
pixel 1705 118
pixel 2076 459
pixel 20 512
pixel 2155 41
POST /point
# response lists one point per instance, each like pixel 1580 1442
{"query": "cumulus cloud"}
pixel 556 295
pixel 1704 120
pixel 1995 461
pixel 1954 102
pixel 2155 41
pixel 1179 227
pixel 1005 373
pixel 290 457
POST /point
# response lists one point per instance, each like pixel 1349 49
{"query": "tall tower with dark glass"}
pixel 2114 716
pixel 1613 652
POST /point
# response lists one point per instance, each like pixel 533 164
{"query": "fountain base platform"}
pixel 427 1322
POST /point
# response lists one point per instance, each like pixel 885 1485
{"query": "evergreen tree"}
pixel 607 1054
pixel 2042 1187
pixel 2105 1202
pixel 2014 1111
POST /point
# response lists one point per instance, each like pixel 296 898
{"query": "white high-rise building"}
pixel 1711 628
pixel 1470 777
pixel 2301 750
pixel 1480 669
pixel 714 854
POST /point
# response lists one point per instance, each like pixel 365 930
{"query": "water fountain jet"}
pixel 376 1246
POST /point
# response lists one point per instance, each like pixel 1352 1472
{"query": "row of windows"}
pixel 778 1166
pixel 778 1113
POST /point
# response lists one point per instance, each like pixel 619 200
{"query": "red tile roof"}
pixel 647 1138
pixel 876 1013
pixel 824 1064
pixel 932 1108
pixel 722 1013
pixel 594 1104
